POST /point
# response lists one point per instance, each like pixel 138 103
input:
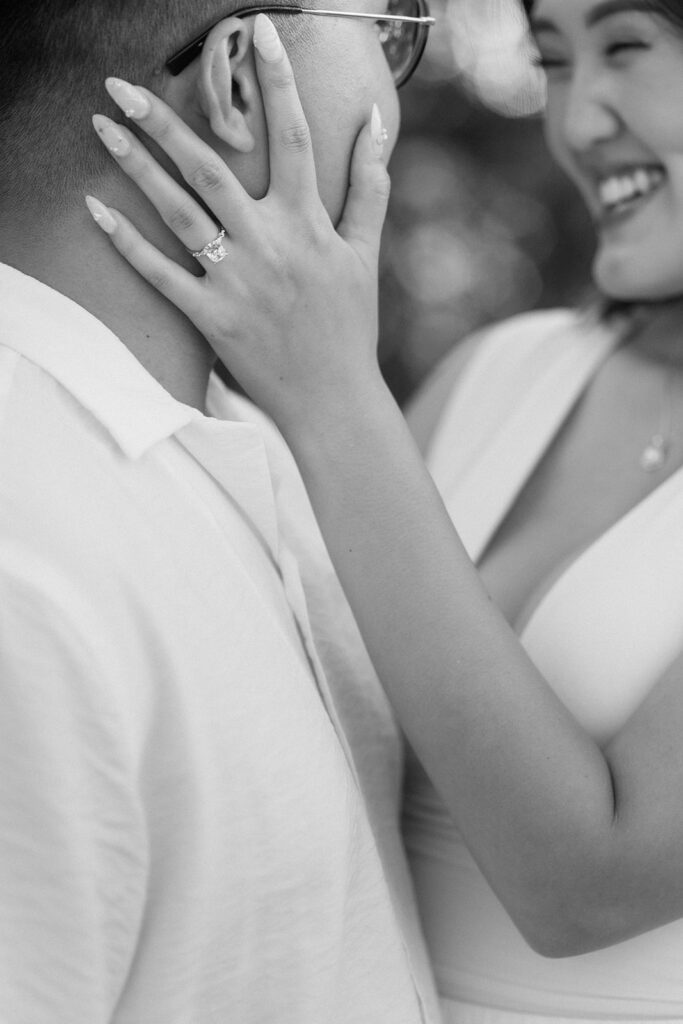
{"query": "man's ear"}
pixel 225 85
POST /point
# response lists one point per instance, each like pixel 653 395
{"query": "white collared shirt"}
pixel 184 826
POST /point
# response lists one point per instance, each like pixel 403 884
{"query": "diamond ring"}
pixel 215 250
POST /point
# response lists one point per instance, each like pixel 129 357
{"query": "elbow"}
pixel 577 926
pixel 595 896
pixel 561 940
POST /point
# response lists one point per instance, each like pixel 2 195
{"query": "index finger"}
pixel 292 167
pixel 200 166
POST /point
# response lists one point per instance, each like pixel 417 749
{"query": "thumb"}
pixel 368 195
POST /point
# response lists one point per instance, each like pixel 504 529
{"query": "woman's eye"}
pixel 548 63
pixel 614 49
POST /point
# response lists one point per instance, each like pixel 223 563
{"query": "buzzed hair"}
pixel 54 57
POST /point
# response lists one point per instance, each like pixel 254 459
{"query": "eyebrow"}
pixel 606 9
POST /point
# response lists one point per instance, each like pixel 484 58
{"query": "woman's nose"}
pixel 590 116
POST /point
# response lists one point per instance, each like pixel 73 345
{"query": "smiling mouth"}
pixel 625 192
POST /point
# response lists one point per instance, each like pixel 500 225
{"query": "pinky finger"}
pixel 173 282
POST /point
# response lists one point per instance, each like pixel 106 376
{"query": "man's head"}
pixel 55 54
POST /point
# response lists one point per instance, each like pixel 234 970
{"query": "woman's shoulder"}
pixel 502 348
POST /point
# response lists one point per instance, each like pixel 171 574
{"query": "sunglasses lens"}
pixel 400 40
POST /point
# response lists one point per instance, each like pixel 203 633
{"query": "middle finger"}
pixel 292 166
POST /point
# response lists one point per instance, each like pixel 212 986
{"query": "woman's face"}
pixel 615 124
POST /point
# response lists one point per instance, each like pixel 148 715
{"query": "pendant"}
pixel 655 455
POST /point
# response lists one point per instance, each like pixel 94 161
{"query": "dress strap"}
pixel 512 399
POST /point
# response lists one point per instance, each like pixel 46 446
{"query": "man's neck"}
pixel 75 258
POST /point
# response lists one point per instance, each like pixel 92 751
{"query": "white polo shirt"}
pixel 185 784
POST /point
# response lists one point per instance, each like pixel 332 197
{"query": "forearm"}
pixel 529 789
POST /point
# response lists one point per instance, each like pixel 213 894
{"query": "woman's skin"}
pixel 581 844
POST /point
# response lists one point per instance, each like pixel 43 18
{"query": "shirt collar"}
pixel 97 369
pixel 89 361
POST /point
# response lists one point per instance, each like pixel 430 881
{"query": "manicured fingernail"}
pixel 266 39
pixel 101 215
pixel 111 135
pixel 377 130
pixel 133 103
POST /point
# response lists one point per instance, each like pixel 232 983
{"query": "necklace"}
pixel 637 324
pixel 656 452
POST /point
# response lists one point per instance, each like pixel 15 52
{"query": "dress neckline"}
pixel 515 424
pixel 574 563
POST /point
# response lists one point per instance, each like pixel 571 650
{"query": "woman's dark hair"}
pixel 672 10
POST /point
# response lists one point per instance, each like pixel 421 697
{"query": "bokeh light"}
pixel 481 224
pixel 485 44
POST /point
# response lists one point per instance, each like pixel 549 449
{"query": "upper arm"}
pixel 424 409
pixel 629 878
pixel 646 762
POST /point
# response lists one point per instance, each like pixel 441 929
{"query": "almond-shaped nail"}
pixel 112 135
pixel 132 101
pixel 101 215
pixel 266 39
pixel 377 130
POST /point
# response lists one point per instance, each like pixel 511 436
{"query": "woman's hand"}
pixel 290 305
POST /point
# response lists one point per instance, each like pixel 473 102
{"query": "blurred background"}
pixel 481 225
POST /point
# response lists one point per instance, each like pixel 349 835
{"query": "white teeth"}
pixel 623 188
pixel 642 181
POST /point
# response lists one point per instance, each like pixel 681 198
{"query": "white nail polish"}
pixel 266 39
pixel 377 130
pixel 112 135
pixel 132 102
pixel 101 215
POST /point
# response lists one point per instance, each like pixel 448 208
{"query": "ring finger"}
pixel 183 215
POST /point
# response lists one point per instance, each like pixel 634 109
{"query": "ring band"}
pixel 215 250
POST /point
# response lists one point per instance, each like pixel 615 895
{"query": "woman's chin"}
pixel 635 283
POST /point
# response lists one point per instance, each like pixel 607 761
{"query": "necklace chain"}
pixel 656 452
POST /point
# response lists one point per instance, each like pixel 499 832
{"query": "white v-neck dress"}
pixel 602 634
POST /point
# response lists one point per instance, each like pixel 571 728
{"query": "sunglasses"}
pixel 403 31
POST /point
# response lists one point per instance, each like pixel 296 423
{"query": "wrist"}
pixel 340 416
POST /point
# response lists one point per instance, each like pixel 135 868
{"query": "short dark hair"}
pixel 54 56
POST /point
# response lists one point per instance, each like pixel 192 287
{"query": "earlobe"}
pixel 226 84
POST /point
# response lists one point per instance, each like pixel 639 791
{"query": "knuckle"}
pixel 137 164
pixel 381 185
pixel 158 279
pixel 182 218
pixel 159 127
pixel 282 78
pixel 124 244
pixel 208 177
pixel 296 137
pixel 318 230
